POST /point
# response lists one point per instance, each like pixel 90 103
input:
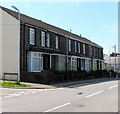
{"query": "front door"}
pixel 46 61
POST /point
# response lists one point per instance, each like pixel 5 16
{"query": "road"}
pixel 98 97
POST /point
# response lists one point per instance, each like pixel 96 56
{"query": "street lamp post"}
pixel 18 42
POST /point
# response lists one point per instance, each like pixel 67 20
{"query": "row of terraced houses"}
pixel 43 47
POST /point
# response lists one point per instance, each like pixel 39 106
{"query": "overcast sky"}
pixel 97 21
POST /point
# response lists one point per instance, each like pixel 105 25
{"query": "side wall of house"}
pixel 0 43
pixel 10 35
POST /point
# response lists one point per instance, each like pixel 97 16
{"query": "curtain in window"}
pixel 32 36
pixel 42 38
pixel 74 64
pixel 61 63
pixel 35 62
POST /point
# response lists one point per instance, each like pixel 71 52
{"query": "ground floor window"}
pixel 94 65
pixel 35 62
pixel 58 62
pixel 72 63
pixel 87 64
pixel 91 64
pixel 61 63
pixel 82 64
pixel 69 63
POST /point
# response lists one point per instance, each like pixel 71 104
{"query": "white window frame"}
pixel 74 63
pixel 94 52
pixel 78 47
pixel 57 42
pixel 91 50
pixel 99 52
pixel 84 48
pixel 32 36
pixel 69 44
pixel 48 40
pixel 75 44
pixel 31 56
pixel 42 38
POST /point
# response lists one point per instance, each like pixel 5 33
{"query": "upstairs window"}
pixel 94 51
pixel 91 50
pixel 84 48
pixel 69 45
pixel 57 43
pixel 78 47
pixel 99 52
pixel 75 46
pixel 42 38
pixel 32 36
pixel 48 40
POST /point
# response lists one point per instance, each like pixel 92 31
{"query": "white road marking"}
pixel 33 91
pixel 12 94
pixel 7 96
pixel 17 94
pixel 21 93
pixel 57 107
pixel 94 94
pixel 28 91
pixel 112 86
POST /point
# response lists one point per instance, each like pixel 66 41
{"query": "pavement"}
pixel 65 84
pixel 101 96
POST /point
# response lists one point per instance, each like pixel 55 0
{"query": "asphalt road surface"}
pixel 98 97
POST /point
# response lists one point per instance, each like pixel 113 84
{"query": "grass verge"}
pixel 13 84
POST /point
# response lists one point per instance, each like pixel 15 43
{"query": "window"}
pixel 91 64
pixel 91 50
pixel 42 38
pixel 48 40
pixel 69 45
pixel 94 51
pixel 82 64
pixel 69 63
pixel 87 64
pixel 75 46
pixel 57 42
pixel 78 47
pixel 61 63
pixel 83 48
pixel 32 36
pixel 99 52
pixel 74 63
pixel 35 62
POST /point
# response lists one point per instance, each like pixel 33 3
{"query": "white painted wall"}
pixel 0 57
pixel 10 35
pixel 0 43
